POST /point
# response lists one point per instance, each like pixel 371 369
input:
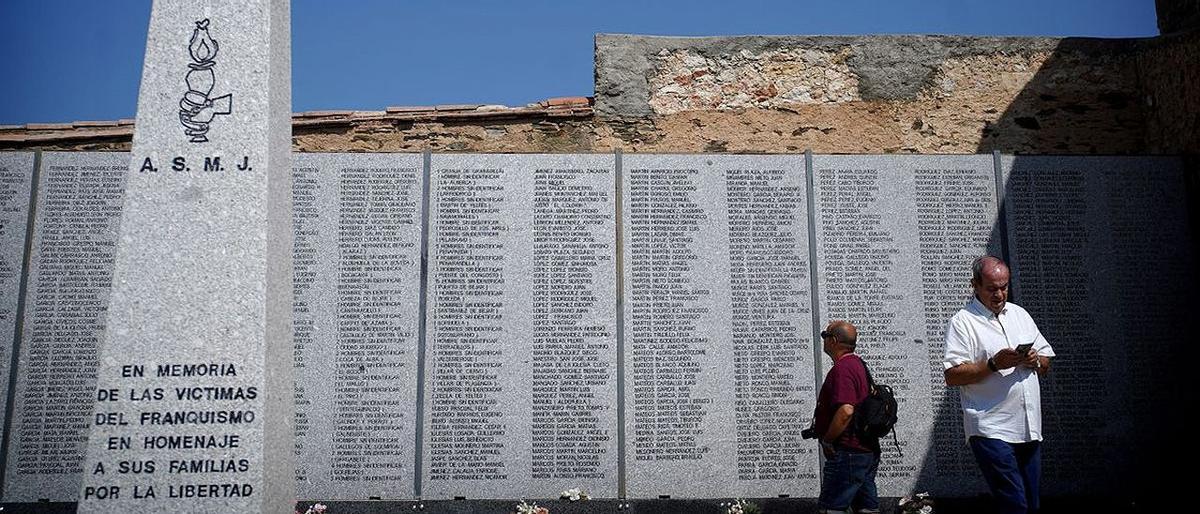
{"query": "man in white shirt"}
pixel 995 354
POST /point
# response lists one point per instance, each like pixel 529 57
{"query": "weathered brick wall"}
pixel 1170 72
pixel 491 136
pixel 885 94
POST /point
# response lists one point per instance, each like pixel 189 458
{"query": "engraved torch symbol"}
pixel 196 109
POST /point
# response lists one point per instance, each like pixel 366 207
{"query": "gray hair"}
pixel 980 263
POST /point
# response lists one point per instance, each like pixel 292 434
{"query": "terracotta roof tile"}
pixel 309 122
pixel 321 114
pixel 369 116
pixel 410 108
pixel 568 101
pixel 61 135
pixel 458 107
pixel 47 126
pixel 563 107
pixel 95 124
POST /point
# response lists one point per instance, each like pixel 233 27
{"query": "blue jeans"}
pixel 848 480
pixel 1012 472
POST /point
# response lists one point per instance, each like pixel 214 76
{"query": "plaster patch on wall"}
pixel 684 80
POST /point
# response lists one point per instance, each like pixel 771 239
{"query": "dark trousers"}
pixel 1012 472
pixel 848 482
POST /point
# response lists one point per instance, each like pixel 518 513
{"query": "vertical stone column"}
pixel 194 386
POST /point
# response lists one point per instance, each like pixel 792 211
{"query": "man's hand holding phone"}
pixel 1011 358
pixel 1029 358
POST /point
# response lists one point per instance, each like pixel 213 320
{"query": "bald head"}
pixel 844 332
pixel 989 279
pixel 838 339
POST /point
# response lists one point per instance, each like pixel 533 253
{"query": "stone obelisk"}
pixel 194 389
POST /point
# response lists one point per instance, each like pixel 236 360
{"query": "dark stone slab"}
pixel 1101 258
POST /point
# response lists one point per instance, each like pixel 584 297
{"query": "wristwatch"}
pixel 992 365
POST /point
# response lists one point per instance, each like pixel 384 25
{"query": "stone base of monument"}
pixel 556 506
pixel 39 507
pixel 972 505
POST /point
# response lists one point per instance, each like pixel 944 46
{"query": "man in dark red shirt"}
pixel 848 479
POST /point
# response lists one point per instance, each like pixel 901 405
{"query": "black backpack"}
pixel 877 414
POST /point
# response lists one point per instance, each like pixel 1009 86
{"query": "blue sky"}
pixel 68 60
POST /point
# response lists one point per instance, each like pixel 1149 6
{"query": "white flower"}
pixel 316 508
pixel 735 507
pixel 574 494
pixel 526 508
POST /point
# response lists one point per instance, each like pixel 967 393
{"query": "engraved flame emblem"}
pixel 203 48
pixel 197 108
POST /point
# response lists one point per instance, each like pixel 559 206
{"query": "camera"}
pixel 809 433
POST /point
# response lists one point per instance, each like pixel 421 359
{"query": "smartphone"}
pixel 1023 349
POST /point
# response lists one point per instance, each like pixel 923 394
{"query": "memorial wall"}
pixel 895 239
pixel 1100 250
pixel 78 207
pixel 16 176
pixel 506 326
pixel 718 326
pixel 520 354
pixel 357 266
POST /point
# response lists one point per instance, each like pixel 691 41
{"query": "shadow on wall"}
pixel 1101 259
pixel 1084 99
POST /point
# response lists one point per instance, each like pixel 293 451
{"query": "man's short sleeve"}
pixel 960 346
pixel 844 391
pixel 1040 344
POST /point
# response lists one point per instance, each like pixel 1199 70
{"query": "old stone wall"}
pixel 1170 70
pixel 885 94
pixel 767 94
pixel 1177 15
